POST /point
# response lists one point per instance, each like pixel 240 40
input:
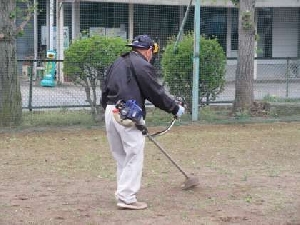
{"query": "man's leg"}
pixel 130 179
pixel 127 146
pixel 114 140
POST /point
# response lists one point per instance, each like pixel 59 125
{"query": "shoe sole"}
pixel 131 207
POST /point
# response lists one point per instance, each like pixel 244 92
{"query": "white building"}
pixel 278 25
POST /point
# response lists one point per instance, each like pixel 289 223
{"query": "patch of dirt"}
pixel 259 109
pixel 249 174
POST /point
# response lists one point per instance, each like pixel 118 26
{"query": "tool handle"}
pixel 167 155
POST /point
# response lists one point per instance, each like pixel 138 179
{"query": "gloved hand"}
pixel 181 111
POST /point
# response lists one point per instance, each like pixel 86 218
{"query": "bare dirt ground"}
pixel 249 174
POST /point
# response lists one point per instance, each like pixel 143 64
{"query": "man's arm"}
pixel 153 91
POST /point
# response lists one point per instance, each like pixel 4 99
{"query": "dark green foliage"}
pixel 178 68
pixel 86 61
pixel 235 2
pixel 90 56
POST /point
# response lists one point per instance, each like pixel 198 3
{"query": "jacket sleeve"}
pixel 104 99
pixel 153 91
pixel 104 89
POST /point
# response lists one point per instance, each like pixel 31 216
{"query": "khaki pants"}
pixel 127 147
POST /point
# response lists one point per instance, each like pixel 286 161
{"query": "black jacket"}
pixel 132 77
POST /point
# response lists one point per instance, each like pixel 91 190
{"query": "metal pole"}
pixel 51 24
pixel 59 39
pixel 182 26
pixel 131 21
pixel 30 89
pixel 35 39
pixel 287 76
pixel 75 20
pixel 196 62
pixel 48 24
pixel 74 34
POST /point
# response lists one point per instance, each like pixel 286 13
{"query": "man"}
pixel 132 77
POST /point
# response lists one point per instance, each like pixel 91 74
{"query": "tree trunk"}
pixel 10 94
pixel 244 95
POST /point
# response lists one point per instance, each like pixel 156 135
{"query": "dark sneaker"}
pixel 133 206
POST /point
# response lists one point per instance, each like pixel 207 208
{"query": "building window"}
pixel 214 24
pixel 234 29
pixel 264 31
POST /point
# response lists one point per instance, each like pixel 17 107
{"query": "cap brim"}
pixel 136 46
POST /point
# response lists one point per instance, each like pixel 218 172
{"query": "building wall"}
pixel 164 21
pixel 285 32
pixel 215 3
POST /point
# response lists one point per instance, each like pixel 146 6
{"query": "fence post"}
pixel 30 89
pixel 196 62
pixel 287 76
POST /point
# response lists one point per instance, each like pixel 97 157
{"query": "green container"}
pixel 39 74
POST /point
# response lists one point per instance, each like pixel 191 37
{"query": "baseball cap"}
pixel 142 41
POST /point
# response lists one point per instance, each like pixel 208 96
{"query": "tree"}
pixel 10 94
pixel 244 96
pixel 86 61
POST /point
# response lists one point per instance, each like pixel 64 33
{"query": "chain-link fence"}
pixel 279 78
pixel 276 72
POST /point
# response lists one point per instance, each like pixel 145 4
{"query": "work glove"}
pixel 142 128
pixel 181 111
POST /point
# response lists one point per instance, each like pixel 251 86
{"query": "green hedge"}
pixel 177 67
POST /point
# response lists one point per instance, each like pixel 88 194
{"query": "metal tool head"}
pixel 190 183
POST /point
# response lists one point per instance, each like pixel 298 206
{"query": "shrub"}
pixel 86 61
pixel 177 68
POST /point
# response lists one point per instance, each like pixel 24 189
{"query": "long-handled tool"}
pixel 128 110
pixel 190 181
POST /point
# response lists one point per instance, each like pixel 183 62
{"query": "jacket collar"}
pixel 139 54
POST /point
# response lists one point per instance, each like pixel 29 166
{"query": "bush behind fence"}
pixel 67 101
pixel 279 79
